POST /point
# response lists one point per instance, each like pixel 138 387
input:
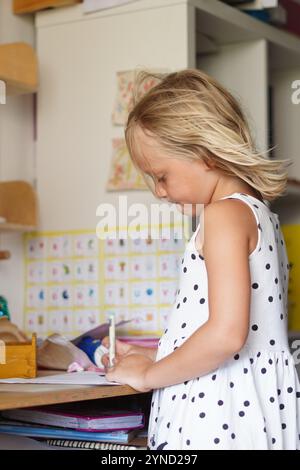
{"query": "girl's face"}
pixel 176 180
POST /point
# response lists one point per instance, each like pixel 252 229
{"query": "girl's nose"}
pixel 160 191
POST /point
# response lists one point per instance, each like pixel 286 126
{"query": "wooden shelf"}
pixel 18 206
pixel 224 24
pixel 4 227
pixel 31 6
pixel 18 68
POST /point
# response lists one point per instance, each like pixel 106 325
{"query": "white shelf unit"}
pixel 80 54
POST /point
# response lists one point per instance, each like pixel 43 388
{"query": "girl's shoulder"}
pixel 230 216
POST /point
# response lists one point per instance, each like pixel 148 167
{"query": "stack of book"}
pixel 282 13
pixel 76 425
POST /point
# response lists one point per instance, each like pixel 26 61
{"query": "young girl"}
pixel 223 376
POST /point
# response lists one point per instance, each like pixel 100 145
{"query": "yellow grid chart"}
pixel 74 279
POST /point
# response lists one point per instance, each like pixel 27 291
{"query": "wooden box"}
pixel 18 359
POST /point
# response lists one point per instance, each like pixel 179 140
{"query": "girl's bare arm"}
pixel 224 334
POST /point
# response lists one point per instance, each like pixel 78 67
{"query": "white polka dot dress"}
pixel 252 401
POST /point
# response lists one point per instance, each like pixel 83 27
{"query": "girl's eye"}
pixel 162 179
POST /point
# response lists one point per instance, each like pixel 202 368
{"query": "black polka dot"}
pixel 188 442
pixel 270 362
pixel 245 370
pixel 184 300
pixel 263 370
pixel 225 426
pixel 180 429
pixel 251 360
pixel 231 384
pixel 276 280
pixel 201 395
pixel 281 406
pixel 216 440
pixel 173 397
pixel 298 394
pixel 233 436
pixel 258 354
pixel 220 402
pixel 168 425
pixel 184 396
pixel 196 287
pixel 184 269
pixel 202 301
pixel 255 285
pixel 246 403
pixel 290 390
pixel 272 399
pixel 193 256
pixel 273 440
pixel 272 342
pixel 201 257
pixel 202 415
pixel 270 248
pixel 193 399
pixel 241 414
pixel 268 266
pixel 254 327
pixel 236 357
pixel 183 325
pixel 178 305
pixel 270 299
pixel 214 377
pixel 283 426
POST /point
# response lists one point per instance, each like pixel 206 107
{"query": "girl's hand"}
pixel 131 370
pixel 122 349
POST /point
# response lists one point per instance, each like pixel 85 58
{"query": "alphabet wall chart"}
pixel 73 280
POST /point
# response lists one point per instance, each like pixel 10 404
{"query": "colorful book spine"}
pixel 19 429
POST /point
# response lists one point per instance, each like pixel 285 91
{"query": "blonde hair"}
pixel 192 116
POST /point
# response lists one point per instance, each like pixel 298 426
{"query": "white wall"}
pixel 16 158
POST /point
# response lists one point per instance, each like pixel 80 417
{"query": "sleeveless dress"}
pixel 252 401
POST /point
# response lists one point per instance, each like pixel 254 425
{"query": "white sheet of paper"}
pixel 71 378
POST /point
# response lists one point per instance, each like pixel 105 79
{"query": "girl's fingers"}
pixel 105 360
pixel 105 341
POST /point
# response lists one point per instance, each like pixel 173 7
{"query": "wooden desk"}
pixel 25 395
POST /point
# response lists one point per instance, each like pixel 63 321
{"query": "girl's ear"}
pixel 208 164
